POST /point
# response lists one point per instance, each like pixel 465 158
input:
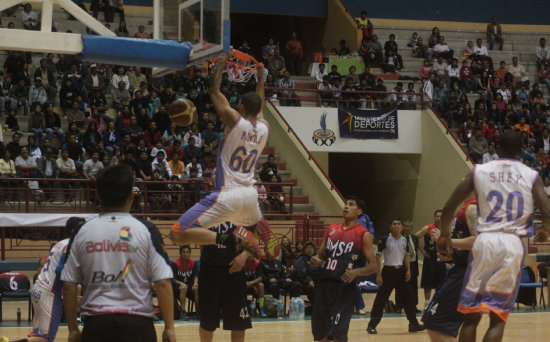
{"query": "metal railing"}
pixel 304 148
pixel 297 227
pixel 366 99
pixel 33 195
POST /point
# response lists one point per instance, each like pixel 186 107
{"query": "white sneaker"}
pixel 362 312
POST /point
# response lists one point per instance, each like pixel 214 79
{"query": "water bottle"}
pixel 280 309
pixel 293 311
pixel 252 309
pixel 301 309
pixel 18 315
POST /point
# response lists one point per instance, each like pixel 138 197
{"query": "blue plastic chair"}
pixel 527 282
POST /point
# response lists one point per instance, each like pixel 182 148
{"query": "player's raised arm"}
pixel 543 203
pixel 260 89
pixel 459 195
pixel 228 115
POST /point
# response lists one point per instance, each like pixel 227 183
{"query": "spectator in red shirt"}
pixel 175 147
pixel 426 69
pixel 489 130
pixel 537 128
pixel 467 78
pixel 152 135
pixel 295 53
pixel 141 33
pixel 186 277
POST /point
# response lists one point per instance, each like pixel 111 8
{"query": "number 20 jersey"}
pixel 343 250
pixel 504 191
pixel 238 152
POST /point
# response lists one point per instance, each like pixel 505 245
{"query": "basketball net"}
pixel 240 67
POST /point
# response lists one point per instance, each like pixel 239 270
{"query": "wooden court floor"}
pixel 525 325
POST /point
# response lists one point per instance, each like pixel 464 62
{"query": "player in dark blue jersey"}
pixel 342 254
pixel 441 318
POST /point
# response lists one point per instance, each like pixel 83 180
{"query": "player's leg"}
pixel 48 310
pixel 237 335
pixel 183 296
pixel 206 335
pixel 211 282
pixel 235 311
pixel 260 294
pixel 439 337
pixel 469 327
pixel 320 316
pixel 341 310
pixel 496 329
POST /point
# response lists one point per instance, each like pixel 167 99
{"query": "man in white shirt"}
pixel 490 155
pixel 161 165
pixel 442 49
pixel 480 49
pixel 319 74
pixel 428 88
pixel 518 71
pixel 453 71
pixel 92 167
pixel 543 53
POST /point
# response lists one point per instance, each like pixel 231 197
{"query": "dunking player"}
pixel 234 199
pixel 441 318
pixel 46 292
pixel 344 249
pixel 506 191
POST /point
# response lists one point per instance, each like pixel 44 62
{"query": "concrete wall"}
pixel 442 165
pixel 326 201
pixel 340 26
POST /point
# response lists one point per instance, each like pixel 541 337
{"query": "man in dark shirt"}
pixel 191 151
pixel 395 273
pixel 13 146
pixel 75 151
pixel 275 279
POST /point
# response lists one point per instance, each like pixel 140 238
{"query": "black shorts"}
pixel 221 293
pixel 442 315
pixel 332 310
pixel 118 327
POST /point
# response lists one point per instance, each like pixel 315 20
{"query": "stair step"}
pixel 280 166
pixel 268 150
pixel 297 199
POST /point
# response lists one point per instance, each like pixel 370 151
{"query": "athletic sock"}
pixel 261 302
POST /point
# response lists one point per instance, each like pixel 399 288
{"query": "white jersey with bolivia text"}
pixel 47 279
pixel 239 150
pixel 504 190
pixel 116 258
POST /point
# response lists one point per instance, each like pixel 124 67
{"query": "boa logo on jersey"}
pixel 125 234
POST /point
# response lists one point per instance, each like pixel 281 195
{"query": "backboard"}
pixel 203 23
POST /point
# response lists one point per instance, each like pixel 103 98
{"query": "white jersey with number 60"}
pixel 504 190
pixel 238 153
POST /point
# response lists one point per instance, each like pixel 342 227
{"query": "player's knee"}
pixel 472 319
pixel 260 286
pixel 183 288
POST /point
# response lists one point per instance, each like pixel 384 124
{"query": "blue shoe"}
pixel 262 313
pixel 183 316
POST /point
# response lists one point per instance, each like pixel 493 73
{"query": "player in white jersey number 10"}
pixel 234 199
pixel 506 192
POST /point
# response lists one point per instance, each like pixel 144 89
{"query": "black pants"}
pixel 392 278
pixel 412 284
pixel 542 269
pixel 118 328
pixel 294 288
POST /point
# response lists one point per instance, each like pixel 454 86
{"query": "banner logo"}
pixel 368 124
pixel 323 136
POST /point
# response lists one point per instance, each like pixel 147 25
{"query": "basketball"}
pixel 182 112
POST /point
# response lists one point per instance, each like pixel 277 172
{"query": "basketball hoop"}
pixel 239 66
